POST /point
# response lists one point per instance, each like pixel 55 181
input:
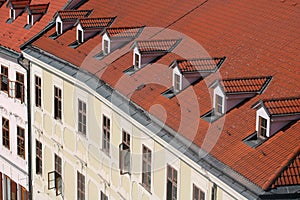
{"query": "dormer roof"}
pixel 245 85
pixel 18 4
pixel 156 46
pixel 71 15
pixel 280 107
pixel 91 23
pixel 37 9
pixel 124 32
pixel 198 65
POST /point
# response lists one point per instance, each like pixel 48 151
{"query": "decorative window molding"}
pixel 57 103
pixel 5 133
pixel 80 186
pixel 82 117
pixel 21 142
pixel 172 178
pixel 198 194
pixel 146 168
pixel 38 91
pixel 39 157
pixel 125 153
pixel 106 125
pixel 214 192
pixel 59 27
pixel 103 196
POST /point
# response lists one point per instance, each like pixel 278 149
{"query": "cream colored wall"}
pixel 85 154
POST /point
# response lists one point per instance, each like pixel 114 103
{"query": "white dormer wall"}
pixel 136 51
pixel 28 19
pixel 218 91
pixel 14 14
pixel 65 24
pixel 79 27
pixel 261 112
pixel 105 37
pixel 58 20
pixel 177 72
pixel 17 12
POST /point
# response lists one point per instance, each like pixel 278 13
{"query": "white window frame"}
pixel 30 17
pixel 58 20
pixel 14 14
pixel 136 52
pixel 79 28
pixel 218 91
pixel 261 112
pixel 106 38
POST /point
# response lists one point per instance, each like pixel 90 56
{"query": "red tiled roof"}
pixel 198 65
pixel 283 106
pixel 288 173
pixel 124 32
pixel 66 15
pixel 156 45
pixel 19 4
pixel 259 39
pixel 90 23
pixel 245 85
pixel 38 9
pixel 13 35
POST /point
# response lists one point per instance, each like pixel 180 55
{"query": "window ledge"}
pixel 149 192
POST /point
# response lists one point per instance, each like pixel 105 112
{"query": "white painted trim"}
pixel 261 112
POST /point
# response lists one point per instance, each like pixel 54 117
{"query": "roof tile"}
pixel 148 46
pixel 90 23
pixel 283 106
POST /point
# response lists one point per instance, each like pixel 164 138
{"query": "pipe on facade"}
pixel 26 66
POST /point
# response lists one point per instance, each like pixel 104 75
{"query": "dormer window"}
pixel 59 28
pixel 105 47
pixel 117 37
pixel 30 19
pixel 273 116
pixel 262 127
pixel 90 27
pixel 146 51
pixel 12 14
pixel 188 72
pixel 137 60
pixel 219 105
pixel 80 36
pixel 66 19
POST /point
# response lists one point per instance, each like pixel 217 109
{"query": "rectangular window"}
pixel 81 117
pixel 5 132
pixel 12 13
pixel 39 157
pixel 177 83
pixel 59 29
pixel 214 192
pixel 57 161
pixel 38 91
pixel 21 142
pixel 146 168
pixel 125 155
pixel 80 186
pixel 30 19
pixel 197 193
pixel 262 127
pixel 171 183
pixel 137 60
pixel 106 134
pixel 80 36
pixel 57 103
pixel 19 86
pixel 24 194
pixel 103 196
pixel 219 105
pixel 105 47
pixel 4 79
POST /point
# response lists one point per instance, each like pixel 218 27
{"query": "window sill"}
pixel 148 190
pixel 105 153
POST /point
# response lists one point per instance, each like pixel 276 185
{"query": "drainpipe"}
pixel 26 66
